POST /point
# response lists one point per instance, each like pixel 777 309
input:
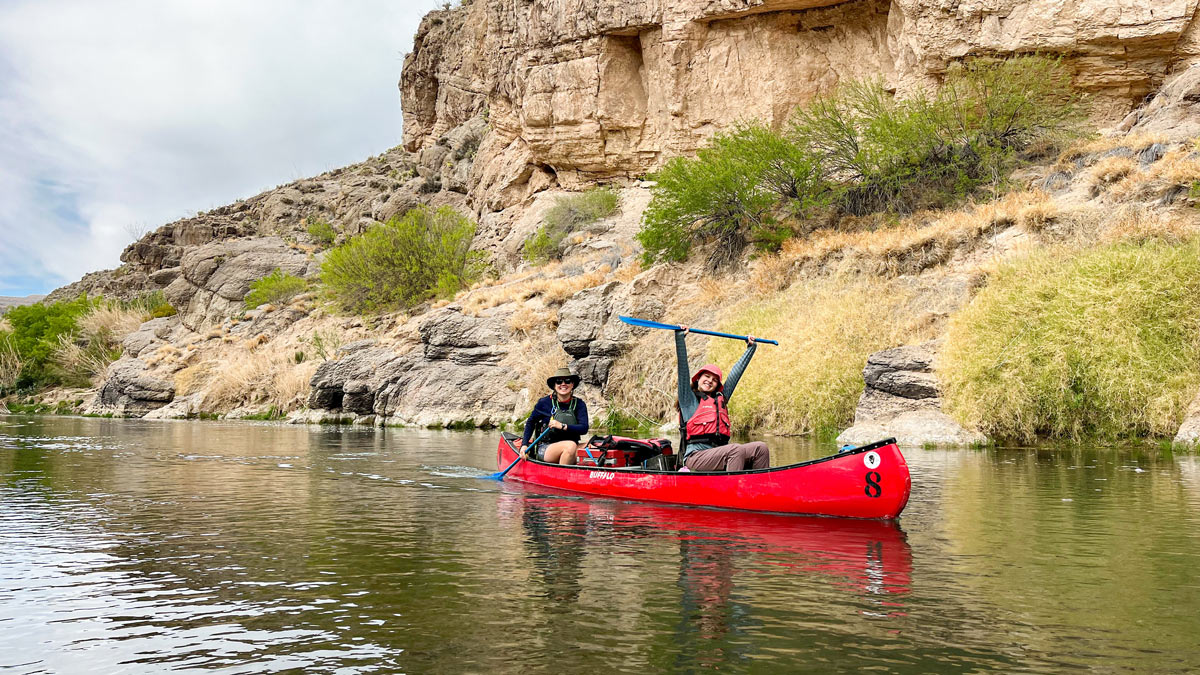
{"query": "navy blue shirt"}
pixel 541 417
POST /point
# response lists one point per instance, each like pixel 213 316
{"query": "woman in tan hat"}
pixel 566 417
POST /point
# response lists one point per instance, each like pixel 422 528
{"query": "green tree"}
pixel 398 264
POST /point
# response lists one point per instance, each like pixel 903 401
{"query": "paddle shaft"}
pixel 645 323
pixel 520 455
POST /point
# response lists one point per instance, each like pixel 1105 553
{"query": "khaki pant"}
pixel 733 457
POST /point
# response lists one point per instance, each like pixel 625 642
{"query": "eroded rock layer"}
pixel 576 89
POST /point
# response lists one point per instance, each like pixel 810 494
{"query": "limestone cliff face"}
pixel 583 89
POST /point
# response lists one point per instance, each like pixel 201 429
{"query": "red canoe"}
pixel 867 482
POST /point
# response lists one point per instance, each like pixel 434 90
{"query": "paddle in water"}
pixel 645 323
pixel 499 475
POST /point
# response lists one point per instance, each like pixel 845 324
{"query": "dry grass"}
pixel 826 329
pixel 193 378
pixel 166 355
pixel 1138 225
pixel 112 322
pixel 917 243
pixel 551 290
pixel 263 377
pixel 1135 143
pixel 642 379
pixel 531 321
pixel 1179 169
pixel 82 361
pixel 10 364
pixel 536 360
pixel 627 271
pixel 1110 170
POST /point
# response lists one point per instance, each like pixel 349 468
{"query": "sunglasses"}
pixel 562 381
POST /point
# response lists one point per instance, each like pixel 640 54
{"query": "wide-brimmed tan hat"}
pixel 559 374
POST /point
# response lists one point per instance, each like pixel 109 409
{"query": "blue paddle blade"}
pixel 646 323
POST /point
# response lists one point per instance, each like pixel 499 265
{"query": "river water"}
pixel 138 547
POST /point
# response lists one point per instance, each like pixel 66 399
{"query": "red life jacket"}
pixel 710 424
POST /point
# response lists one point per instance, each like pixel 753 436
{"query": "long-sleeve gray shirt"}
pixel 688 403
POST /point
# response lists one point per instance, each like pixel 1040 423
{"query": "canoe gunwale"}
pixel 509 437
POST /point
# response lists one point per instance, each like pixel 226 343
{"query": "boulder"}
pixel 1189 431
pixel 215 277
pixel 456 372
pixel 180 408
pixel 149 336
pixel 130 390
pixel 901 398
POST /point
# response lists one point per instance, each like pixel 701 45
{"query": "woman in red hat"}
pixel 704 417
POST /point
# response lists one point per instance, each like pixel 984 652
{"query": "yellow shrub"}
pixel 1104 343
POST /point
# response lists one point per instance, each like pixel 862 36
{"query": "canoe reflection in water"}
pixel 729 561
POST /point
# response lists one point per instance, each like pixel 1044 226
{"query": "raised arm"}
pixel 687 398
pixel 735 373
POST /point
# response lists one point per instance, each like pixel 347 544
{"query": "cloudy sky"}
pixel 119 116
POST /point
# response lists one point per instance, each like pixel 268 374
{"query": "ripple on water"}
pixel 249 549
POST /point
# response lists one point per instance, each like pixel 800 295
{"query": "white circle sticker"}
pixel 871 459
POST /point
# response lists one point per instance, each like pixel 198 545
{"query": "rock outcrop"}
pixel 454 371
pixel 214 278
pixel 1174 112
pixel 901 399
pixel 585 89
pixel 130 390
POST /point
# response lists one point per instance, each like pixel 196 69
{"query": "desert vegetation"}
pixel 423 254
pixel 857 151
pixel 69 343
pixel 569 214
pixel 1100 343
pixel 276 288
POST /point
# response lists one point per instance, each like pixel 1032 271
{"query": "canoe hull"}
pixel 868 482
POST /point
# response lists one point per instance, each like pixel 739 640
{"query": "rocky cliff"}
pixel 586 89
pixel 508 104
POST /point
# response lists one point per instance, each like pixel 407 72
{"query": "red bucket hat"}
pixel 713 369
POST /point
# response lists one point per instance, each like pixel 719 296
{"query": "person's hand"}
pixel 555 424
pixel 750 339
pixel 683 329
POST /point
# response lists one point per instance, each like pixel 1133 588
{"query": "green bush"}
pixel 728 195
pixel 277 287
pixel 321 231
pixel 409 259
pixel 1103 344
pixel 542 245
pixel 929 151
pixel 569 213
pixel 154 303
pixel 862 151
pixel 37 331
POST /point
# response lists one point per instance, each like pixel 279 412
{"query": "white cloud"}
pixel 115 115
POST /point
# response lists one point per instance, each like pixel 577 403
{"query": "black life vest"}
pixel 564 415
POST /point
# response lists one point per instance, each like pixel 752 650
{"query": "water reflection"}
pixel 130 546
pixel 714 553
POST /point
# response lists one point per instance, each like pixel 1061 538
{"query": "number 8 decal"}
pixel 873 488
pixel 872 461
